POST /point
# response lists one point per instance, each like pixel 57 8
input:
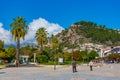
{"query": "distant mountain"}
pixel 89 32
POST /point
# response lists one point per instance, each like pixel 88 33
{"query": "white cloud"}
pixel 52 28
pixel 5 35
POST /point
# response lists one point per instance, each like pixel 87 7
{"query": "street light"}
pixel 34 57
pixel 55 59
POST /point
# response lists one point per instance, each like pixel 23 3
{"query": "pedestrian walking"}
pixel 91 65
pixel 74 66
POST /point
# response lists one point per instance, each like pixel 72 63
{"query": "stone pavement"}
pixel 106 72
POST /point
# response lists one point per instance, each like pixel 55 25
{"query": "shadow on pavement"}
pixel 2 72
pixel 23 65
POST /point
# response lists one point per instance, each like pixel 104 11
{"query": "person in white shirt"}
pixel 91 65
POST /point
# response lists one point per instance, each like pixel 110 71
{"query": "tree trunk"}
pixel 41 49
pixel 17 53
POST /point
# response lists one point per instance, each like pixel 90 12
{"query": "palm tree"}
pixel 55 42
pixel 1 45
pixel 19 30
pixel 41 37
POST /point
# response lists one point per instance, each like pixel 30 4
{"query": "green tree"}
pixel 1 45
pixel 59 55
pixel 67 56
pixel 113 56
pixel 83 55
pixel 48 52
pixel 41 37
pixel 10 52
pixel 93 54
pixel 19 29
pixel 55 42
pixel 2 55
pixel 42 58
pixel 76 55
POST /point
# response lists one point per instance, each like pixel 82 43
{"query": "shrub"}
pixel 1 63
pixel 42 59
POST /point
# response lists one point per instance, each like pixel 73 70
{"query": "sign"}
pixel 60 60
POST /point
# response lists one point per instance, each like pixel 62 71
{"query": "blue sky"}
pixel 63 12
pixel 56 15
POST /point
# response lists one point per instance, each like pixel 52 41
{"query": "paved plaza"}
pixel 106 72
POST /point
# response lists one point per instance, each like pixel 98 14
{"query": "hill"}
pixel 89 32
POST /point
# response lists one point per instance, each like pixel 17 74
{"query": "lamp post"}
pixel 55 44
pixel 34 57
pixel 55 59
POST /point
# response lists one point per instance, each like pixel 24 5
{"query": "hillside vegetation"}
pixel 90 32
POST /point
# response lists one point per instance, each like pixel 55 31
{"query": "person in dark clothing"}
pixel 74 66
